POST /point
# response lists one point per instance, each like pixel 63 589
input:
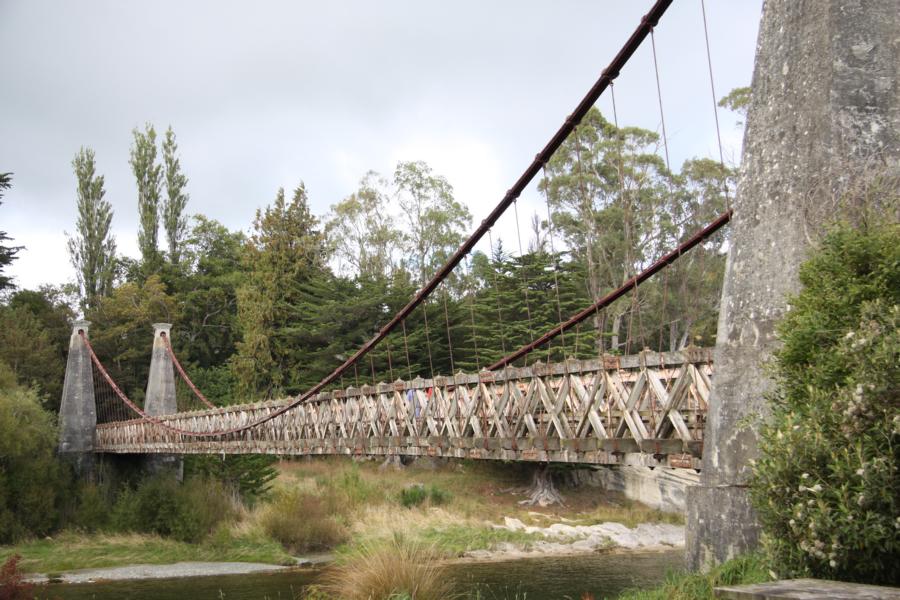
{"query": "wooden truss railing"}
pixel 643 409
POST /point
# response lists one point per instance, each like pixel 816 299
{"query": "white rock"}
pixel 513 524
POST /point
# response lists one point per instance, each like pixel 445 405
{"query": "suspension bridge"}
pixel 647 408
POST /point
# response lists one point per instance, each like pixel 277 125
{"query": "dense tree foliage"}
pixel 148 176
pixel 826 484
pixel 174 219
pixel 92 249
pixel 30 476
pixel 7 253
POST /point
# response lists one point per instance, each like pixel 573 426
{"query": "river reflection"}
pixel 547 578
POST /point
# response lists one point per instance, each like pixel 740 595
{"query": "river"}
pixel 545 578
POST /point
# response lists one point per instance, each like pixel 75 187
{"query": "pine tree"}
pixel 174 220
pixel 7 253
pixel 93 248
pixel 285 258
pixel 148 177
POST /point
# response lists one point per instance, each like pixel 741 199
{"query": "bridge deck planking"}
pixel 646 409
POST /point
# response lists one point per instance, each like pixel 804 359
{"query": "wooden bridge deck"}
pixel 646 409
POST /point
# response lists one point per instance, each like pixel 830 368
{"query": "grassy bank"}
pixel 748 569
pixel 338 505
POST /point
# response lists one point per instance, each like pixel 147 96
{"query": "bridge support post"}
pixel 77 410
pixel 825 113
pixel 160 397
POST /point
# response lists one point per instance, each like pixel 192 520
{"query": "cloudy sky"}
pixel 270 93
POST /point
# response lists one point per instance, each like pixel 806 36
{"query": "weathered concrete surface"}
pixel 661 488
pixel 824 110
pixel 77 411
pixel 807 589
pixel 160 398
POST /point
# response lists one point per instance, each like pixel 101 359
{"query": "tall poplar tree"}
pixel 174 220
pixel 93 248
pixel 148 177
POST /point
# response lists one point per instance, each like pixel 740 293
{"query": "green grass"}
pixel 69 550
pixel 752 568
pixel 455 540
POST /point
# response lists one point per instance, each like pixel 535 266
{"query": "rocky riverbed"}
pixel 563 538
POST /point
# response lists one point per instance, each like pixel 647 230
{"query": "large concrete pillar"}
pixel 77 411
pixel 160 397
pixel 824 112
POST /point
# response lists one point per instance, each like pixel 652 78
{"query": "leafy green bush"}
pixel 826 485
pixel 187 512
pixel 93 508
pixel 31 479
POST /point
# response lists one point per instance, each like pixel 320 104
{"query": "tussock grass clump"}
pixel 390 571
pixel 302 521
pixel 417 494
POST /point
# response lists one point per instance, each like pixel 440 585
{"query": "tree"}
pixel 122 332
pixel 207 293
pixel 34 336
pixel 93 249
pixel 361 230
pixel 435 223
pixel 610 195
pixel 7 253
pixel 174 221
pixel 30 475
pixel 148 176
pixel 284 257
pixel 737 100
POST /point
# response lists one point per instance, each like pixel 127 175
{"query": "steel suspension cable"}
pixel 712 89
pixel 622 290
pixel 182 373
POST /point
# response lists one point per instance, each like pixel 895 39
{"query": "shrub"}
pixel 825 484
pixel 94 506
pixel 30 476
pixel 413 495
pixel 250 475
pixel 437 496
pixel 12 583
pixel 187 512
pixel 391 571
pixel 302 521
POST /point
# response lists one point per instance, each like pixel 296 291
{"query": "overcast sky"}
pixel 266 94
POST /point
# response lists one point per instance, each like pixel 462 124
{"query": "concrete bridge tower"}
pixel 77 411
pixel 160 397
pixel 825 111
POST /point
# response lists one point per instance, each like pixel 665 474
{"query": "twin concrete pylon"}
pixel 78 411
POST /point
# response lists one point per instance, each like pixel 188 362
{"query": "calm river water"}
pixel 603 575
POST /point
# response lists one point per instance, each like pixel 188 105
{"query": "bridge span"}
pixel 647 409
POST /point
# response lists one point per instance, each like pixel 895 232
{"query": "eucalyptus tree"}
pixel 362 232
pixel 435 224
